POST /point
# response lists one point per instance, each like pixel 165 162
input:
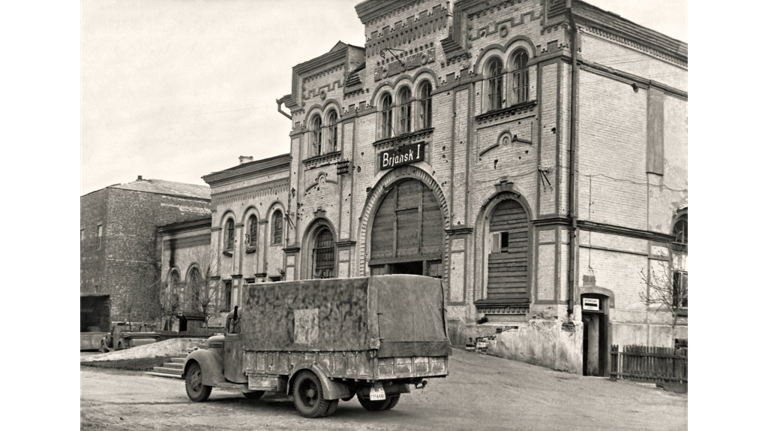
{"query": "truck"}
pixel 323 341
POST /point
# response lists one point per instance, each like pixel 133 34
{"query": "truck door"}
pixel 234 370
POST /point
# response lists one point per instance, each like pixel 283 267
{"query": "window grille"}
pixel 426 105
pixel 324 258
pixel 386 116
pixel 253 230
pixel 495 85
pixel 230 242
pixel 277 228
pixel 520 77
pixel 405 110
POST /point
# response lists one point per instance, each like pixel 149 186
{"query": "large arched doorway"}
pixel 407 232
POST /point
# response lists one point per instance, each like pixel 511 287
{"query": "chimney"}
pixel 139 179
pixel 245 159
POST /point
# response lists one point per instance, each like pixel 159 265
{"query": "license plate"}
pixel 377 393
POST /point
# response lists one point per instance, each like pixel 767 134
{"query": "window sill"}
pixel 502 306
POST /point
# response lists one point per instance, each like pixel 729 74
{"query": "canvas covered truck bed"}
pixel 374 328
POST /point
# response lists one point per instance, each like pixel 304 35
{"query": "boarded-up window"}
pixel 323 255
pixel 508 260
pixel 408 226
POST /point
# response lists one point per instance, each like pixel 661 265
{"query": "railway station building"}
pixel 530 153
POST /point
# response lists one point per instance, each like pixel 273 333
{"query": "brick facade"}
pixel 125 262
pixel 590 228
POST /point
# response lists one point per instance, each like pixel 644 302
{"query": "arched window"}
pixel 229 240
pixel 170 298
pixel 495 83
pixel 520 77
pixel 323 255
pixel 386 116
pixel 681 230
pixel 316 126
pixel 425 105
pixel 333 138
pixel 405 110
pixel 277 227
pixel 253 231
pixel 195 286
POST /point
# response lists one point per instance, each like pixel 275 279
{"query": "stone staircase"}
pixel 172 369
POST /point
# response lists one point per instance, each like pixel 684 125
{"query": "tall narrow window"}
pixel 323 255
pixel 229 242
pixel 253 231
pixel 317 126
pixel 425 104
pixel 495 84
pixel 386 116
pixel 333 138
pixel 227 295
pixel 520 77
pixel 277 227
pixel 195 289
pixel 680 289
pixel 405 110
pixel 99 234
pixel 82 234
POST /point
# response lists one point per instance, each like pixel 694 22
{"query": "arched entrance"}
pixel 597 335
pixel 407 234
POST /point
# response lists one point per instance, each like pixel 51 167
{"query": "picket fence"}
pixel 649 364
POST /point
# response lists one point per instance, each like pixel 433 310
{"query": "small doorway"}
pixel 596 345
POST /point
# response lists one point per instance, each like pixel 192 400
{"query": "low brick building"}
pixel 531 153
pixel 119 252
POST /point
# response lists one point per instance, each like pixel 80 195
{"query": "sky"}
pixel 177 89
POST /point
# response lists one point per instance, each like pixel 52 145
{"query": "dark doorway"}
pixel 416 268
pixel 182 323
pixel 596 335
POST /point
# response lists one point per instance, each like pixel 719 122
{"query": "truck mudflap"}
pixel 332 390
pixel 211 365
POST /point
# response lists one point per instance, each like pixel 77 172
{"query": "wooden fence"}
pixel 650 364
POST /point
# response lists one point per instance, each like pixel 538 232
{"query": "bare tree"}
pixel 201 287
pixel 169 299
pixel 667 287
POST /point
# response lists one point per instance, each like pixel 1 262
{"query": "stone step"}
pixel 179 360
pixel 175 365
pixel 165 370
pixel 170 376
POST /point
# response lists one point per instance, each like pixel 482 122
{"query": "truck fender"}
pixel 211 365
pixel 332 390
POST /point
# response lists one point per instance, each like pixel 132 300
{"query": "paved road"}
pixel 482 392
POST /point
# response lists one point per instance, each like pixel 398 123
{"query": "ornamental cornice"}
pixel 504 113
pixel 419 135
pixel 322 160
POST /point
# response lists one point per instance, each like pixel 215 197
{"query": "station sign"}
pixel 590 304
pixel 404 155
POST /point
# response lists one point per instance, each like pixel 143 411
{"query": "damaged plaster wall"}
pixel 548 343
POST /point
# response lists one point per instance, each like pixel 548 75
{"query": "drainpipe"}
pixel 573 210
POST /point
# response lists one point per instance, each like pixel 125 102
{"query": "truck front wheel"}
pixel 308 396
pixel 196 390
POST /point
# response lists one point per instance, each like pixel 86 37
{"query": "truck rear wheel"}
pixel 373 406
pixel 392 402
pixel 308 396
pixel 196 390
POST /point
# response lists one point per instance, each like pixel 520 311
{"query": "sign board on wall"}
pixel 590 304
pixel 404 155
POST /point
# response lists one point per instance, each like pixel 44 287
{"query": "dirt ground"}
pixel 481 392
